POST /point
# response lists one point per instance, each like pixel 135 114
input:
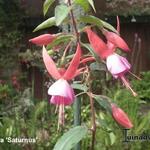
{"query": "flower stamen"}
pixel 135 75
pixel 127 85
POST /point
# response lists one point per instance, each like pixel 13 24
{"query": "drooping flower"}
pixel 118 66
pixel 43 39
pixel 61 92
pixel 114 40
pixel 121 117
pixel 63 95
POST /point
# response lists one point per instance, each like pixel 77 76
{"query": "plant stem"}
pixel 93 129
pixel 77 117
pixel 73 21
pixel 77 103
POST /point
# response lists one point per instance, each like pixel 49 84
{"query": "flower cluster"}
pixel 117 65
pixel 61 91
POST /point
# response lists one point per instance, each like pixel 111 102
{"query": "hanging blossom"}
pixel 61 92
pixel 117 65
pixel 121 117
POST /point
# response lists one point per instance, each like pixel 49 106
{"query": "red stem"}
pixel 73 21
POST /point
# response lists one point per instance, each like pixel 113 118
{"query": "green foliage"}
pixel 31 58
pixel 46 5
pixel 71 138
pixel 142 86
pixel 97 66
pixel 82 3
pixel 123 7
pixel 81 87
pixel 9 13
pixel 46 24
pixel 10 35
pixel 24 117
pixel 103 101
pixel 91 2
pixel 61 12
pixel 7 92
pixel 92 20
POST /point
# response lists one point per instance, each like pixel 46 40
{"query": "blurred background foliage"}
pixel 126 7
pixel 22 115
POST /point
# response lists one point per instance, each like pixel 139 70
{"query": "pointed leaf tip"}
pixel 46 5
pixel 46 24
pixel 91 2
pixel 71 71
pixel 50 65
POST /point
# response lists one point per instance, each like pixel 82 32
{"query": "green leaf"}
pixel 108 26
pixel 98 22
pixel 78 86
pixel 46 24
pixel 91 20
pixel 112 138
pixel 71 138
pixel 84 4
pixel 103 124
pixel 61 12
pixel 88 47
pixel 103 101
pixel 46 5
pixel 40 107
pixel 143 123
pixel 98 66
pixel 92 4
pixel 60 40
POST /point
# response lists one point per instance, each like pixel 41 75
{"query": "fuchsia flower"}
pixel 43 39
pixel 117 65
pixel 61 92
pixel 121 117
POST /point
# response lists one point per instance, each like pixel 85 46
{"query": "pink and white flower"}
pixel 61 92
pixel 117 65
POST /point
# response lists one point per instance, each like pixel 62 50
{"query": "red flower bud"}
pixel 121 117
pixel 43 39
pixel 98 45
pixel 116 40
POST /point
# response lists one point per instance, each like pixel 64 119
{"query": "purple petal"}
pixel 59 100
pixel 117 65
pixel 61 88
